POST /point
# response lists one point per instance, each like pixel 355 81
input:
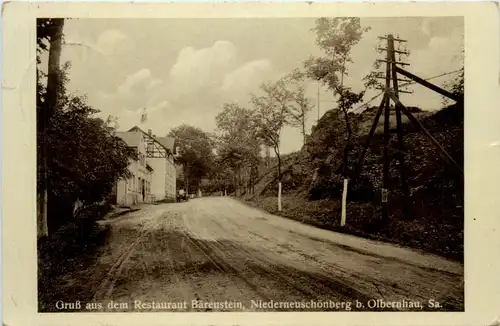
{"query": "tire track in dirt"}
pixel 311 286
pixel 325 280
pixel 392 290
pixel 259 269
pixel 216 255
pixel 107 286
pixel 217 249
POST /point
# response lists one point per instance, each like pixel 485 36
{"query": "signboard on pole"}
pixel 385 194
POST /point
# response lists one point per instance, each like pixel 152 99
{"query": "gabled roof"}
pixel 166 142
pixel 132 139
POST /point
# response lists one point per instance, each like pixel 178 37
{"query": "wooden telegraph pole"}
pixel 401 152
pixel 392 93
pixel 391 76
pixel 385 189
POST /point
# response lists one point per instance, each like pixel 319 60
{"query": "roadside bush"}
pixel 71 247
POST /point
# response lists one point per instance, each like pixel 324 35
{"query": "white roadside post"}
pixel 279 196
pixel 344 203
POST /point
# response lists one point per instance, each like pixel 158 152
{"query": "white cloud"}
pixel 436 58
pixel 109 41
pixel 442 55
pixel 198 84
pixel 158 107
pixel 247 76
pixel 154 83
pixel 200 68
pixel 139 80
pixel 138 91
pixel 190 84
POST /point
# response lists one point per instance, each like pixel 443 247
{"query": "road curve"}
pixel 218 254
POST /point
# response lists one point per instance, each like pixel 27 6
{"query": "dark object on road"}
pixel 183 197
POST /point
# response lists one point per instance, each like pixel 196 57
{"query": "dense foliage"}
pixel 337 37
pixel 243 133
pixel 238 148
pixel 194 153
pixel 84 158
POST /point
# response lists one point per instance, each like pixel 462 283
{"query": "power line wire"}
pixel 441 75
pixel 365 104
pixel 403 85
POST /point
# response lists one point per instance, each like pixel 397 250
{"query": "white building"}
pixel 137 188
pixel 160 157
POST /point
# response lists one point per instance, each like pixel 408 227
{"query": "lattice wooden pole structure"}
pixel 392 93
pixel 401 153
pixel 391 77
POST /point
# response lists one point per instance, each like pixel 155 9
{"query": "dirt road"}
pixel 217 254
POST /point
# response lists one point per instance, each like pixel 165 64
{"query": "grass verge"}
pixel 66 263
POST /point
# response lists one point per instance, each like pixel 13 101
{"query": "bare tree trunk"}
pixel 346 154
pixel 53 83
pixel 304 130
pixel 277 151
pixel 268 156
pixel 239 181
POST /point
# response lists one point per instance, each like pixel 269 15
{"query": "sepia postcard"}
pixel 250 163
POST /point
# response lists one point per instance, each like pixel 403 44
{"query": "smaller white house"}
pixel 137 188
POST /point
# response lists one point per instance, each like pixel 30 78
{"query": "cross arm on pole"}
pixel 395 51
pixel 379 76
pixel 399 91
pixel 395 39
pixel 396 62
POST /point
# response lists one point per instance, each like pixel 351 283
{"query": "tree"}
pixel 194 153
pixel 237 146
pixel 300 105
pixel 300 110
pixel 87 159
pixel 221 176
pixel 336 37
pixel 48 30
pixel 79 157
pixel 455 86
pixel 273 113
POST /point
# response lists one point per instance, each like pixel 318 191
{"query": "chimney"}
pixel 149 132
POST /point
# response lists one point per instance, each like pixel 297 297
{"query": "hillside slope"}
pixel 312 184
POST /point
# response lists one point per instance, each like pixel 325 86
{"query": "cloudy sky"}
pixel 183 70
